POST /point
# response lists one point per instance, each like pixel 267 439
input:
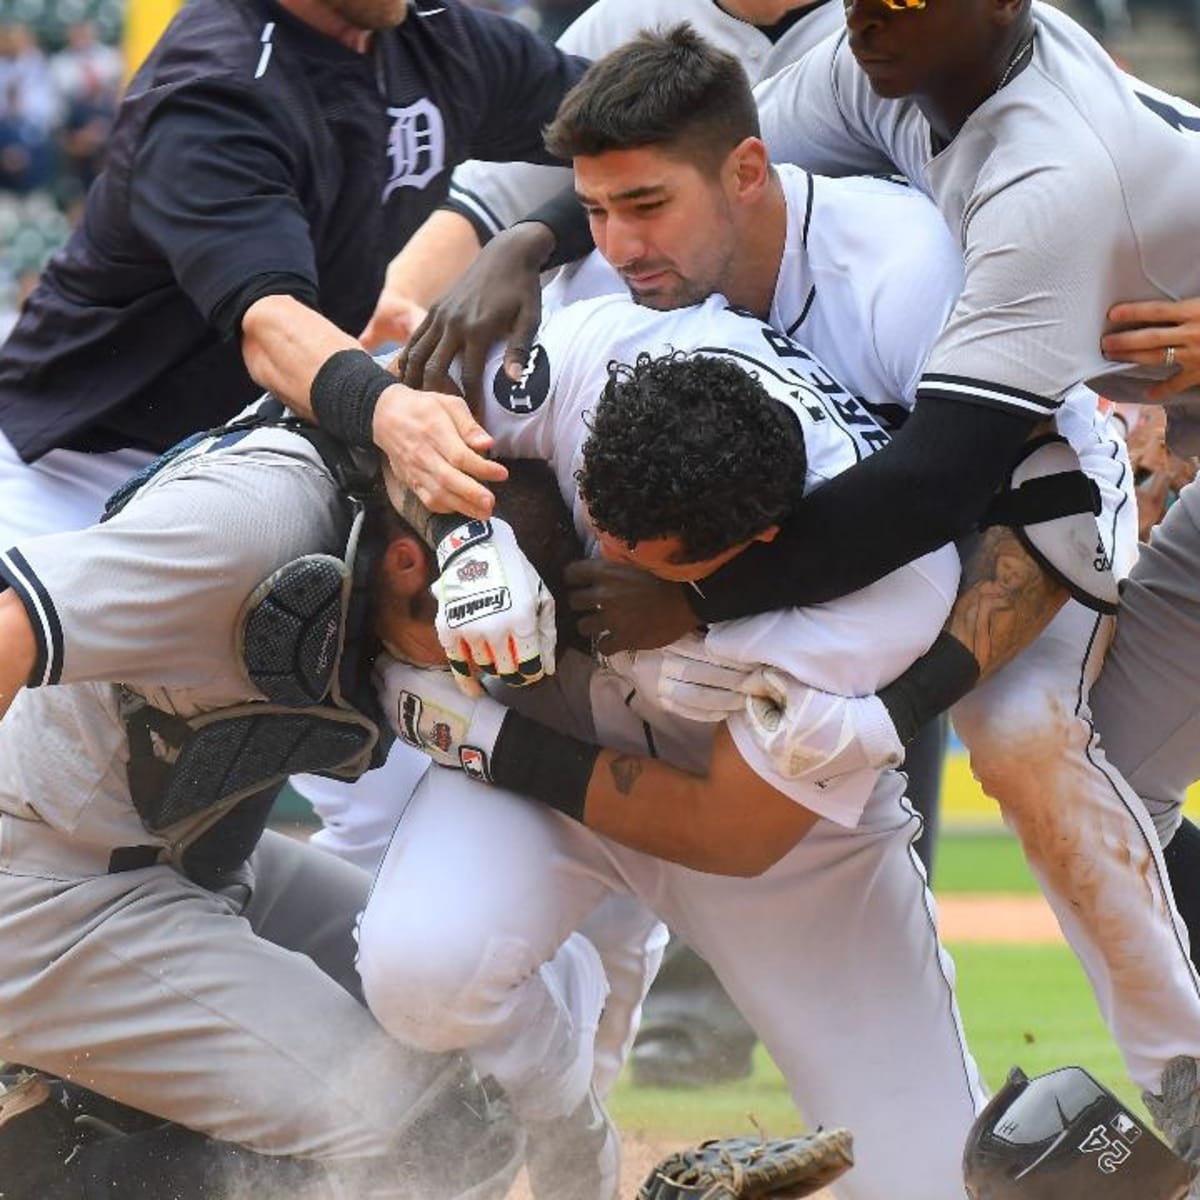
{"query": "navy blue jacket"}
pixel 248 146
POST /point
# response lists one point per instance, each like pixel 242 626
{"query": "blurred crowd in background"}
pixel 63 64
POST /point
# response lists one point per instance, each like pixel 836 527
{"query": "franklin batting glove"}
pixel 495 616
pixel 429 712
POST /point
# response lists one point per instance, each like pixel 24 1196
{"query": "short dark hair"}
pixel 662 88
pixel 690 446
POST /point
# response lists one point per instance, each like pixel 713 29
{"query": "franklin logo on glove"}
pixel 485 602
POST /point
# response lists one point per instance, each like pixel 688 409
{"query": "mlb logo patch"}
pixel 474 763
pixel 459 538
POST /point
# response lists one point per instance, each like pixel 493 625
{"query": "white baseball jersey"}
pixel 835 646
pixel 496 195
pixel 150 599
pixel 869 304
pixel 1071 188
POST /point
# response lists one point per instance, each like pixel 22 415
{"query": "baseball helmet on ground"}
pixel 1063 1136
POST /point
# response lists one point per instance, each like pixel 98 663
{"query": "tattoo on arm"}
pixel 1004 601
pixel 625 770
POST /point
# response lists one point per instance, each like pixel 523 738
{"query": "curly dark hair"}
pixel 690 446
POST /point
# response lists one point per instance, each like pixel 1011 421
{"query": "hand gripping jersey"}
pixel 837 646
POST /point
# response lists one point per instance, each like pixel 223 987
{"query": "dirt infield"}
pixel 1001 918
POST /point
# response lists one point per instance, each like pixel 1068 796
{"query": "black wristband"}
pixel 537 762
pixel 344 394
pixel 944 674
pixel 563 215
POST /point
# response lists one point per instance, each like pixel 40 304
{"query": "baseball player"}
pixel 485 198
pixel 263 168
pixel 692 1033
pixel 676 237
pixel 162 673
pixel 805 898
pixel 1058 123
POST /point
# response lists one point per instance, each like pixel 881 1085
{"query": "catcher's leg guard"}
pixel 37 1138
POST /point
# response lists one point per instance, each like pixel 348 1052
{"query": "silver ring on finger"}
pixel 1169 357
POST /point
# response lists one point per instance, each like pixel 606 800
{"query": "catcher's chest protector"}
pixel 305 644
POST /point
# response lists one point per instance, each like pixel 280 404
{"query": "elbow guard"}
pixel 1053 507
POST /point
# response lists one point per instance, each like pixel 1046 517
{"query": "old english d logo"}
pixel 416 146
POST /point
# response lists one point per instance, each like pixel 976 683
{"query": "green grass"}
pixel 981 862
pixel 1027 1006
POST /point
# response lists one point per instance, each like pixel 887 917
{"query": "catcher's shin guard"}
pixel 38 1137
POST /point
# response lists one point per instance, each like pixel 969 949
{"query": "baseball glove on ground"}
pixel 744 1168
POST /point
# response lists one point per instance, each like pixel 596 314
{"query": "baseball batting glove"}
pixel 810 734
pixel 702 686
pixel 747 1168
pixel 495 616
pixel 428 710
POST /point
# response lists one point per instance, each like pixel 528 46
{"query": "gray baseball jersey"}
pixel 151 600
pixel 495 195
pixel 1071 188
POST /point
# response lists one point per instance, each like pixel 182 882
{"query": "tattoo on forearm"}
pixel 625 772
pixel 1004 601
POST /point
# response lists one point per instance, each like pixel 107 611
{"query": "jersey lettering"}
pixel 827 396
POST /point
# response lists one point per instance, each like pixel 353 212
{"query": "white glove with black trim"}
pixel 810 734
pixel 428 710
pixel 702 686
pixel 495 615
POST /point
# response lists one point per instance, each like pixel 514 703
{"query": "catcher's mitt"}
pixel 744 1168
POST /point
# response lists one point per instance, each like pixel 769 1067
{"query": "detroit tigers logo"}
pixel 416 146
pixel 529 393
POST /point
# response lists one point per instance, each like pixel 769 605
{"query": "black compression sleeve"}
pixel 928 486
pixel 535 761
pixel 942 676
pixel 563 215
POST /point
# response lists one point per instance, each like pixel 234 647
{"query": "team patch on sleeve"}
pixel 16 572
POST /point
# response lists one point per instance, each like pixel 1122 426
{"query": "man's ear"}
pixel 751 169
pixel 405 563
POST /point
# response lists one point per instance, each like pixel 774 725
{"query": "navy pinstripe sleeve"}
pixel 17 574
